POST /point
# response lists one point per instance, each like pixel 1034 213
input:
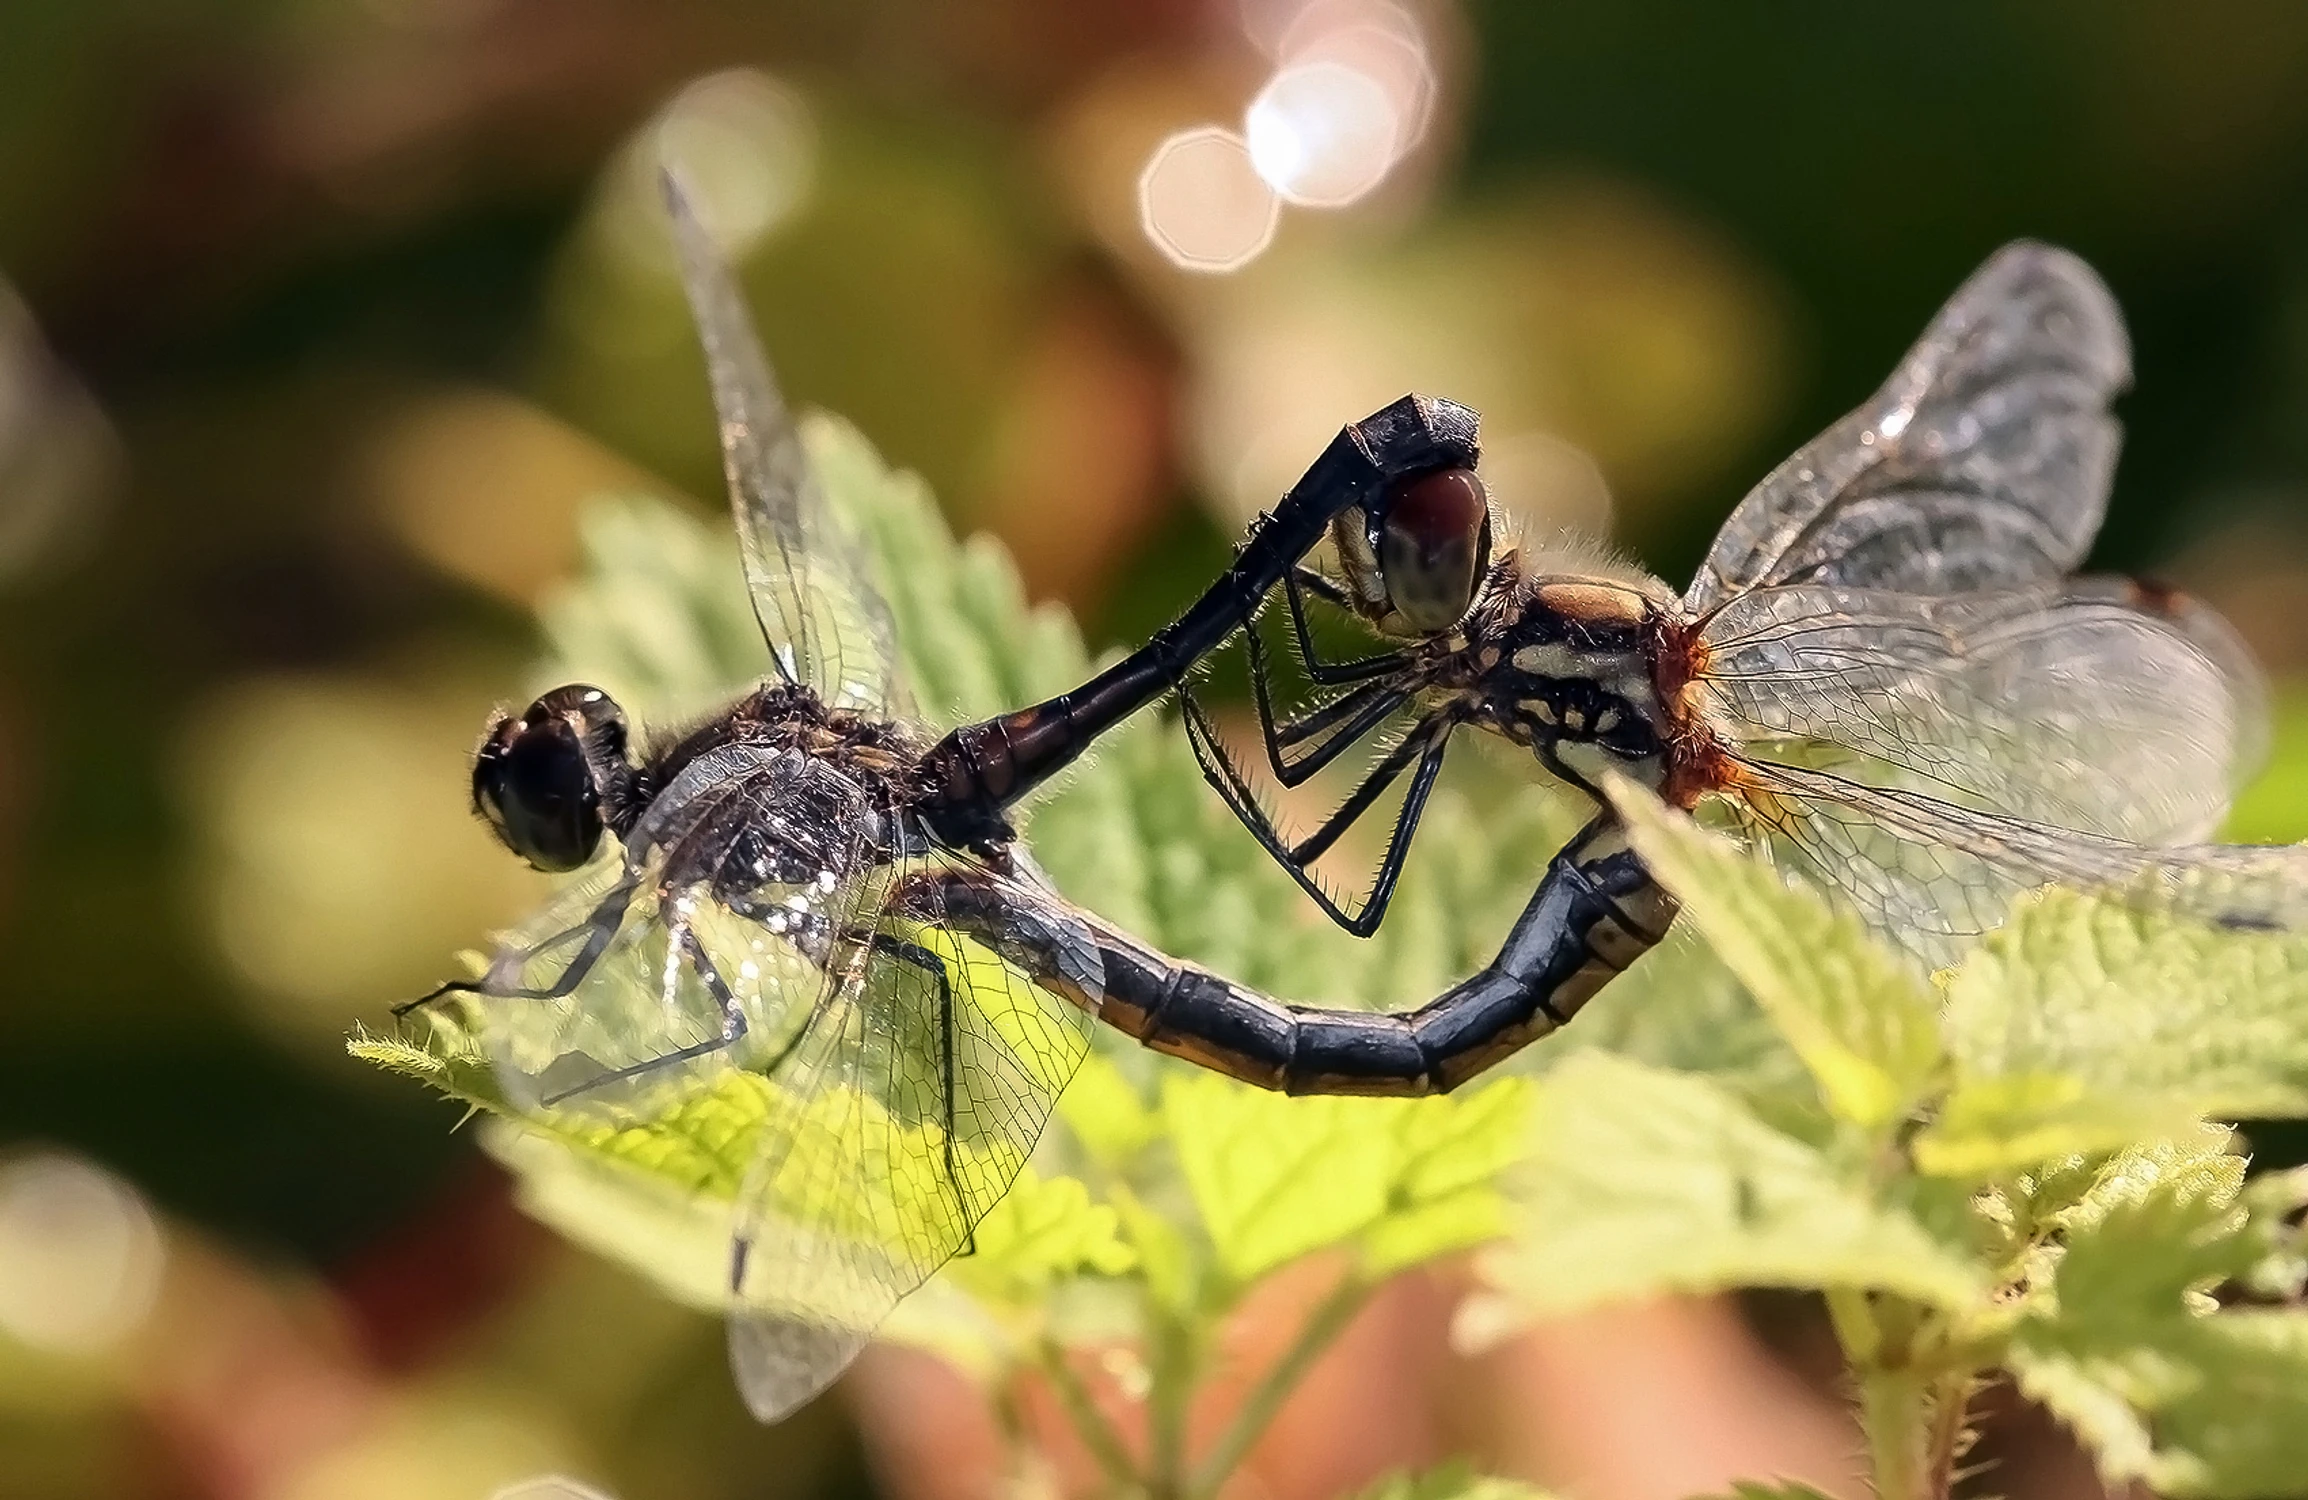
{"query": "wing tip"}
pixel 2077 284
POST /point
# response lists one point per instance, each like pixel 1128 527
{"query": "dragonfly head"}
pixel 548 782
pixel 1415 559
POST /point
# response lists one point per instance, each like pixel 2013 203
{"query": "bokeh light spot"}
pixel 748 147
pixel 80 1255
pixel 1323 134
pixel 1204 204
pixel 1386 46
pixel 550 1487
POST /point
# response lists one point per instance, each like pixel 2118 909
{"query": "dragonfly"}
pixel 803 912
pixel 1886 675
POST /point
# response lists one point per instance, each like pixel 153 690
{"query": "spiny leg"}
pixel 1341 722
pixel 1425 744
pixel 1328 673
pixel 949 1051
pixel 602 924
pixel 733 1028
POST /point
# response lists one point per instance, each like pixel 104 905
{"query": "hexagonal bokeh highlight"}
pixel 1203 203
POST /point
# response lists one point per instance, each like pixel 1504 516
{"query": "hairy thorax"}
pixel 1585 671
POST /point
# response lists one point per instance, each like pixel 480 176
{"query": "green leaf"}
pixel 2274 808
pixel 1990 1128
pixel 2163 1386
pixel 1681 1009
pixel 2137 1006
pixel 447 1061
pixel 1106 1111
pixel 1860 1018
pixel 1275 1178
pixel 2277 1205
pixel 659 615
pixel 1402 1180
pixel 1166 1263
pixel 2197 1169
pixel 1043 1230
pixel 1643 1181
pixel 622 1210
pixel 1445 1192
pixel 1454 1481
pixel 1784 1489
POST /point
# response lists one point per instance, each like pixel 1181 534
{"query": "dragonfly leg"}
pixel 733 1029
pixel 1299 582
pixel 929 963
pixel 1425 745
pixel 600 926
pixel 1339 722
pixel 978 770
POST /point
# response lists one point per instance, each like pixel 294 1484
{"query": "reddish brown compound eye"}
pixel 1433 542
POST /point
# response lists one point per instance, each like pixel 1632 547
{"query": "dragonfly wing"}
pixel 827 624
pixel 1983 461
pixel 2086 704
pixel 900 1118
pixel 638 986
pixel 1932 875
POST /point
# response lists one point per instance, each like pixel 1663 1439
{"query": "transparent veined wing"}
pixel 2085 704
pixel 898 1119
pixel 1984 460
pixel 827 624
pixel 648 978
pixel 1932 875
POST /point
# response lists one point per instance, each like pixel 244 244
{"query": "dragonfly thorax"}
pixel 829 790
pixel 1566 666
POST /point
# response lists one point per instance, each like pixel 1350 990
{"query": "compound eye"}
pixel 1433 543
pixel 533 783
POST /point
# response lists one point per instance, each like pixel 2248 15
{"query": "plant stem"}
pixel 1090 1424
pixel 1854 1326
pixel 1891 1413
pixel 1325 1323
pixel 1950 1404
pixel 1170 1361
pixel 1910 1407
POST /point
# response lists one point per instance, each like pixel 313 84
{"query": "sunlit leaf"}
pixel 2138 1006
pixel 1860 1018
pixel 1104 1110
pixel 1166 1263
pixel 1276 1178
pixel 446 1061
pixel 2162 1385
pixel 1996 1127
pixel 2274 808
pixel 658 616
pixel 1044 1229
pixel 1643 1181
pixel 679 1240
pixel 1681 1009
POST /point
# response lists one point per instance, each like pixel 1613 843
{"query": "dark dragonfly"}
pixel 1884 674
pixel 813 918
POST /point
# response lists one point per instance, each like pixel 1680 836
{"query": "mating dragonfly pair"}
pixel 1883 673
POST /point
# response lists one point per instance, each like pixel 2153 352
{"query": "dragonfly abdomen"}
pixel 1595 912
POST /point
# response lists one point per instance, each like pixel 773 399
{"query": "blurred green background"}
pixel 332 311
